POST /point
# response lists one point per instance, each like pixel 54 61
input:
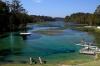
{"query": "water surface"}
pixel 55 47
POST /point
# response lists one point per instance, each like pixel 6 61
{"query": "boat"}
pixel 88 50
pixel 25 33
pixel 85 45
pixel 91 50
pixel 82 45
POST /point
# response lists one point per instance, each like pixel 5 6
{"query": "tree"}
pixel 97 11
pixel 13 16
pixel 67 19
pixel 16 7
pixel 84 18
pixel 16 11
pixel 4 16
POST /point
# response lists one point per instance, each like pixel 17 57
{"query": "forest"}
pixel 91 19
pixel 14 17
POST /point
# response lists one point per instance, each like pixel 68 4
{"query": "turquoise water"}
pixel 50 42
pixel 53 48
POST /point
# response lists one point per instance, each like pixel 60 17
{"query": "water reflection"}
pixel 34 36
pixel 11 41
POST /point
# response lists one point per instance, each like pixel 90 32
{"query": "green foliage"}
pixel 85 18
pixel 41 18
pixel 4 14
pixel 13 16
pixel 97 11
pixel 67 19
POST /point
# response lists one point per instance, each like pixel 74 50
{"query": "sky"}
pixel 59 8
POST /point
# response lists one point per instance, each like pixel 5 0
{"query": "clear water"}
pixel 53 48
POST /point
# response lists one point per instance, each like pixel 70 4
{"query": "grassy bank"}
pixel 93 63
pixel 71 63
pixel 40 23
pixel 28 65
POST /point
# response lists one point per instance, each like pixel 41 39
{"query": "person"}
pixel 40 60
pixel 93 43
pixel 30 60
pixel 82 41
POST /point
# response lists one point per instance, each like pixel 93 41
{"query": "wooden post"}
pixel 40 60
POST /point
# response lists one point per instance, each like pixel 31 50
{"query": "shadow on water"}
pixel 7 52
pixel 53 52
pixel 4 53
pixel 8 34
pixel 34 36
pixel 31 37
pixel 4 35
pixel 49 51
